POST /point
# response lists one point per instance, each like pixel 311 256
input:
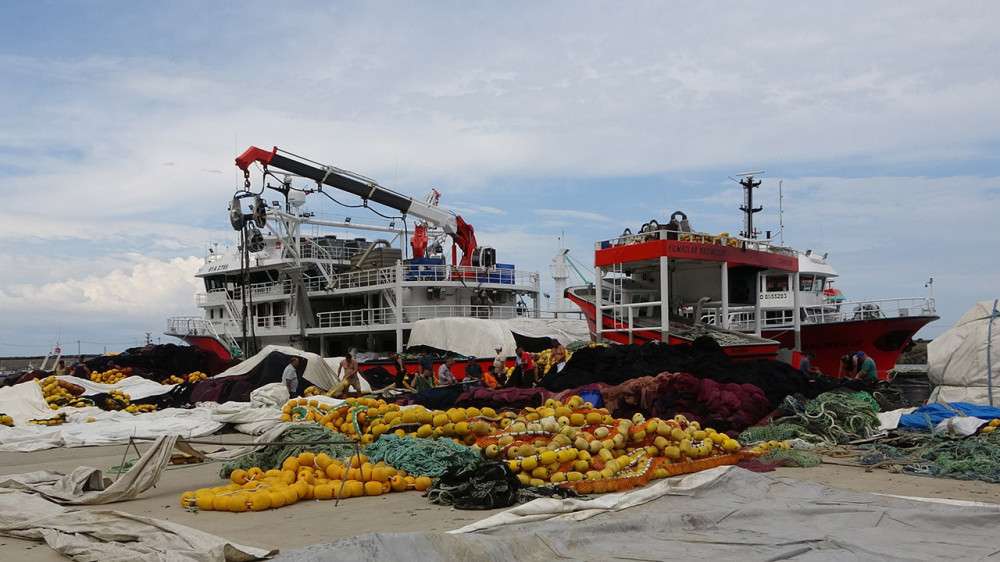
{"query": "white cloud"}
pixel 151 288
pixel 474 208
pixel 572 214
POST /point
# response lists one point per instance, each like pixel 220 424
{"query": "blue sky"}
pixel 122 120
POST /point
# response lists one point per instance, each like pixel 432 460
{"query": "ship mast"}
pixel 748 183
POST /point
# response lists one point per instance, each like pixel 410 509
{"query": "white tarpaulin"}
pixel 24 402
pixel 136 387
pixel 476 337
pixel 107 428
pixel 317 371
pixel 958 361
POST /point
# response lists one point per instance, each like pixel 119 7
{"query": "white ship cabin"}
pixel 819 302
pixel 346 293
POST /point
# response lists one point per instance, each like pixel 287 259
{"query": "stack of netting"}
pixel 430 457
pixel 831 418
pixel 319 439
pixel 972 458
pixel 484 485
pixel 704 359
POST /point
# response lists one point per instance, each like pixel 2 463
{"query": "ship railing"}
pixel 412 313
pixel 358 317
pixel 187 326
pixel 470 274
pixel 625 315
pixel 741 318
pixel 723 239
pixel 196 326
pixel 257 290
pixel 266 322
pixel 311 249
pixel 425 274
pixel 868 310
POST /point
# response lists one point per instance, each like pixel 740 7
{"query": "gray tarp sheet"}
pixel 87 485
pixel 113 536
pixel 736 515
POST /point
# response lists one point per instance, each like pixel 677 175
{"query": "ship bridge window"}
pixel 808 283
pixel 776 283
pixel 215 282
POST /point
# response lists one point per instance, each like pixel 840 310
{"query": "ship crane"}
pixel 461 232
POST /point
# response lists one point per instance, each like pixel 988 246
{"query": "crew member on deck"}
pixel 349 366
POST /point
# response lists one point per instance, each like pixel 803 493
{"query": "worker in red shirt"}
pixel 529 369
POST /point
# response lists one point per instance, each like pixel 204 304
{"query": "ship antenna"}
pixel 747 181
pixel 781 214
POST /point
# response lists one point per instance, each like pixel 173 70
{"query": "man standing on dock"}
pixel 290 376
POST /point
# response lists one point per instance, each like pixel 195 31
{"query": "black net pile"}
pixel 703 359
pixel 485 485
pixel 157 362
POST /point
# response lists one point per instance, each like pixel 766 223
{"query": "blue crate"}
pixel 423 269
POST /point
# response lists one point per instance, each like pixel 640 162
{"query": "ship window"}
pixel 776 283
pixel 806 283
pixel 278 308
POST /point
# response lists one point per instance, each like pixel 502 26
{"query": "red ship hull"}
pixel 883 339
pixel 209 343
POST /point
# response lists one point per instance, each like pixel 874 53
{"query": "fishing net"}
pixel 430 457
pixel 835 417
pixel 779 431
pixel 271 456
pixel 791 457
pixel 972 458
pixel 484 485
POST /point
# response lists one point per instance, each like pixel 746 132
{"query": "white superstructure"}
pixel 321 286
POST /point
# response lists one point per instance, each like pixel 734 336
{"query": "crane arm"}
pixel 461 231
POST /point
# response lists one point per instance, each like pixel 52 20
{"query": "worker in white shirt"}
pixel 290 376
pixel 445 376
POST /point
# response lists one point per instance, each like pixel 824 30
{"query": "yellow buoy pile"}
pixel 59 394
pixel 574 444
pixel 365 419
pixel 561 443
pixel 190 377
pixel 116 400
pixel 307 476
pixel 111 376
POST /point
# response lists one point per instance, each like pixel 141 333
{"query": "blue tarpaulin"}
pixel 926 417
